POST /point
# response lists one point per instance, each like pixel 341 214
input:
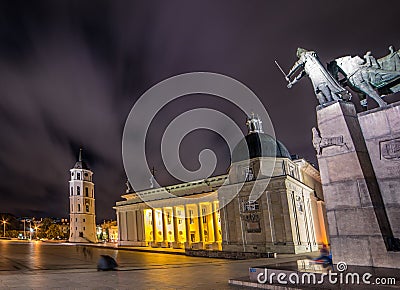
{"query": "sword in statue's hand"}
pixel 286 78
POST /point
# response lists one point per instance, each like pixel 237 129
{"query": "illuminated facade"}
pixel 82 204
pixel 186 225
pixel 287 217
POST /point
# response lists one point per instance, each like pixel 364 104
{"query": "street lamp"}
pixel 24 228
pixel 4 228
pixel 30 230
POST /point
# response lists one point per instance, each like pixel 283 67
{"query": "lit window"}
pixel 191 216
pixel 168 218
pixel 204 214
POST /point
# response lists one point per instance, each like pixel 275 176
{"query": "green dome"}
pixel 259 145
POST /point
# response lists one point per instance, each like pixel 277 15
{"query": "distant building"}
pixel 63 223
pixel 108 231
pixel 82 204
pixel 288 217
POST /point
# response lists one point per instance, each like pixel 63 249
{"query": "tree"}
pixel 65 234
pixel 54 232
pixel 12 233
pixel 44 226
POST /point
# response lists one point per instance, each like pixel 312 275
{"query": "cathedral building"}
pixel 288 216
pixel 82 204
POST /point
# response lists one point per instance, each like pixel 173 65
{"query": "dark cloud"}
pixel 71 70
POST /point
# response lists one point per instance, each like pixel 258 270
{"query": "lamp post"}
pixel 4 228
pixel 24 229
pixel 30 230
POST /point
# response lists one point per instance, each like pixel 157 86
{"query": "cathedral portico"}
pixel 189 225
pixel 286 215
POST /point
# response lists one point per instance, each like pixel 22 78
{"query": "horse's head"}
pixel 341 61
pixel 348 64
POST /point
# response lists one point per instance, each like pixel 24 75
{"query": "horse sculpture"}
pixel 369 77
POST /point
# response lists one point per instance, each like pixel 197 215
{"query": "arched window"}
pixel 79 207
pixel 86 191
pixel 78 190
pixel 79 176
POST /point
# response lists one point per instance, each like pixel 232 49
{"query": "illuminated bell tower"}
pixel 82 204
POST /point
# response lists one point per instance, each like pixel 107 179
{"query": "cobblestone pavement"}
pixel 37 265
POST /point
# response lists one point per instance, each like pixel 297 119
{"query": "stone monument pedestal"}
pixel 361 189
pixel 381 130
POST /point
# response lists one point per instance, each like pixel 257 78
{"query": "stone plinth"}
pixel 381 130
pixel 360 232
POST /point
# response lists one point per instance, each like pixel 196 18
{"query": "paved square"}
pixel 34 265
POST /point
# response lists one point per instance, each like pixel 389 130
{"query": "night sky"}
pixel 70 71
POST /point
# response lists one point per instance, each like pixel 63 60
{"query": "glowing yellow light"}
pixel 148 225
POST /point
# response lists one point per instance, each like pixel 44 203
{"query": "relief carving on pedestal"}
pixel 320 142
pixel 390 149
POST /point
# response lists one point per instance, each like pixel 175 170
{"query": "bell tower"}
pixel 82 204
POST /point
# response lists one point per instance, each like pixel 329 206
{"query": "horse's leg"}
pixel 370 92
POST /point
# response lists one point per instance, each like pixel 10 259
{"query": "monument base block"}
pixel 361 187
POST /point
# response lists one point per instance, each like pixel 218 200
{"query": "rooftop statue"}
pixel 326 87
pixel 368 76
pixel 128 187
pixel 254 124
